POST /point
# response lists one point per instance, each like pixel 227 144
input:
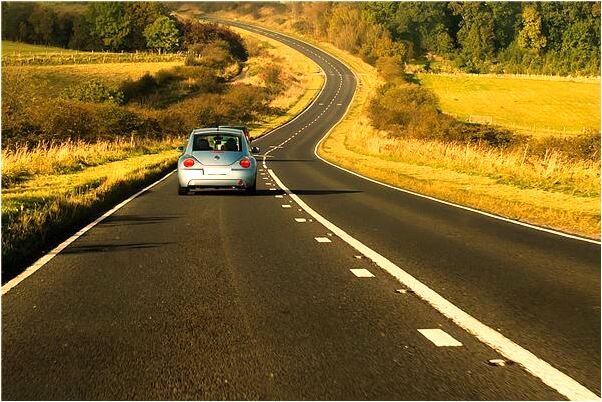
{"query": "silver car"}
pixel 217 158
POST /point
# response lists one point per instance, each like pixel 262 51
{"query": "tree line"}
pixel 481 37
pixel 114 26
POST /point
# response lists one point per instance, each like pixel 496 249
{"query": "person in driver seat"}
pixel 231 145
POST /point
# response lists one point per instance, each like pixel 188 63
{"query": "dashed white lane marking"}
pixel 300 220
pixel 362 273
pixel 44 260
pixel 322 239
pixel 541 369
pixel 439 337
pixel 286 205
pixel 534 365
pixel 279 196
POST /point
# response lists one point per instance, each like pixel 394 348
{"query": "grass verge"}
pixel 37 214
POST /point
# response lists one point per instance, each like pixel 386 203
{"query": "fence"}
pixel 21 59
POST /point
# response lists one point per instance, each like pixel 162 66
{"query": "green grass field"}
pixel 20 54
pixel 531 106
pixel 12 48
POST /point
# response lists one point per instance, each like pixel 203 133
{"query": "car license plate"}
pixel 216 171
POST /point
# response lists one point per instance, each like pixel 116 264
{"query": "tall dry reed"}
pixel 553 171
pixel 20 163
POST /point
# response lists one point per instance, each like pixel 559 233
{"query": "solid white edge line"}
pixel 551 376
pixel 488 214
pixel 49 256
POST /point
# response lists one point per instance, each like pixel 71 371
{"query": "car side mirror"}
pixel 181 148
pixel 255 150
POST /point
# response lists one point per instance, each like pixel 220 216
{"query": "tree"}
pixel 477 32
pixel 162 34
pixel 42 20
pixel 15 25
pixel 530 36
pixel 108 24
pixel 506 20
pixel 140 15
pixel 81 38
pixel 63 29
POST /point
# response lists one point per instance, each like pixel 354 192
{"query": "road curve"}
pixel 219 295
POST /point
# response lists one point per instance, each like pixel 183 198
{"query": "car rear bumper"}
pixel 192 178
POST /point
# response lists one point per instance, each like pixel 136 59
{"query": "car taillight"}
pixel 245 163
pixel 188 162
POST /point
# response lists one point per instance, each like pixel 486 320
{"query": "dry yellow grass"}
pixel 532 106
pixel 57 77
pixel 23 164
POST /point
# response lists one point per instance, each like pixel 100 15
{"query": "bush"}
pixel 389 68
pixel 94 91
pixel 143 86
pixel 192 59
pixel 582 147
pixel 406 109
pixel 64 119
pixel 196 33
pixel 113 121
pixel 271 74
pixel 399 104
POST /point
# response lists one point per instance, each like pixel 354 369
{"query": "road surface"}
pixel 221 295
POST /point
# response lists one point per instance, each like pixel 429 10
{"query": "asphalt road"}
pixel 219 295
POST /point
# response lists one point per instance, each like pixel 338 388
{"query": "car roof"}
pixel 216 130
pixel 238 127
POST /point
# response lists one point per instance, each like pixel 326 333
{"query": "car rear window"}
pixel 216 142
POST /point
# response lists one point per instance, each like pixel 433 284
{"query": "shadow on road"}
pixel 269 160
pixel 102 248
pixel 263 193
pixel 119 220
